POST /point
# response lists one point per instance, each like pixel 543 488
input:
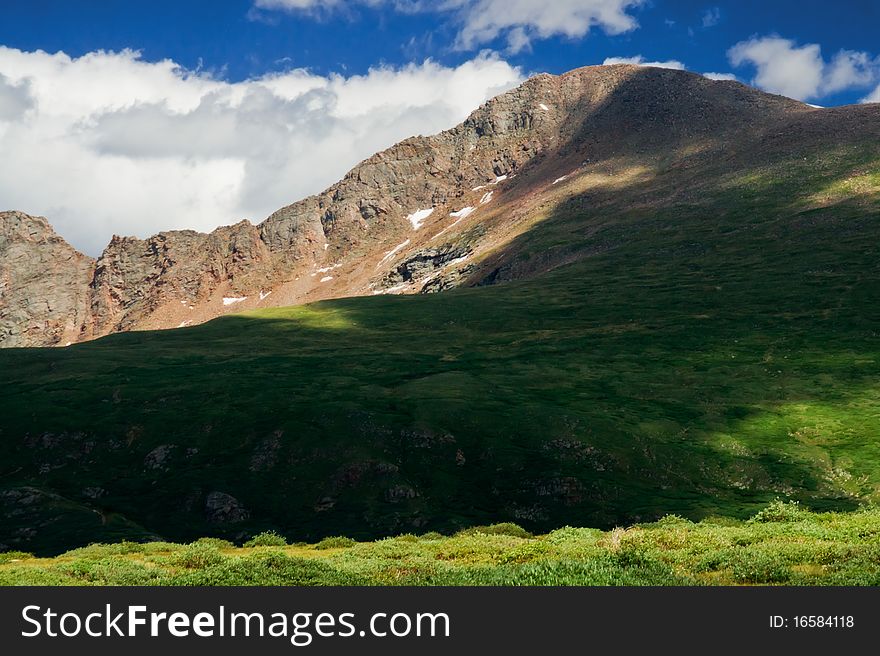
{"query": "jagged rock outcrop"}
pixel 44 284
pixel 395 221
pixel 424 263
pixel 135 278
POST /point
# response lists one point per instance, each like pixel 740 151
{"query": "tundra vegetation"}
pixel 781 544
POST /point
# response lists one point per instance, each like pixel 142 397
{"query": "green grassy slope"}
pixel 710 354
pixel 782 544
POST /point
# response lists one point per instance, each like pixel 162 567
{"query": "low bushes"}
pixel 266 539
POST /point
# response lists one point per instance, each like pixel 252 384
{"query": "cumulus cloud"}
pixel 850 69
pixel 519 22
pixel 638 60
pixel 720 76
pixel 108 143
pixel 15 99
pixel 801 71
pixel 674 64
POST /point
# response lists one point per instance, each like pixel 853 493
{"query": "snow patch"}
pixel 486 197
pixel 329 268
pixel 390 290
pixel 264 295
pixel 231 300
pixel 460 215
pixel 391 253
pixel 544 107
pixel 498 178
pixel 558 180
pixel 184 324
pixel 326 246
pixel 326 278
pixel 418 217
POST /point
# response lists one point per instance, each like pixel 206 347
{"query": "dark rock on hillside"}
pixel 222 508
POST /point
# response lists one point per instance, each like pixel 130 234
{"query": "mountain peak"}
pixel 426 214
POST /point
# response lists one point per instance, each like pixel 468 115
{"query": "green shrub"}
pixel 718 520
pixel 110 571
pixel 197 555
pixel 506 528
pixel 671 521
pixel 267 539
pixel 602 570
pixel 779 511
pixel 524 553
pixel 216 542
pixel 98 550
pixel 586 536
pixel 337 542
pixel 267 568
pixel 12 556
pixel 160 547
pixel 760 568
pixel 431 535
pixel 405 537
pixel 630 554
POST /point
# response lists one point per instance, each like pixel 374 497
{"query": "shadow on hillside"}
pixel 662 140
pixel 692 348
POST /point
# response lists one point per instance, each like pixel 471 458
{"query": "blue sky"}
pixel 127 117
pixel 234 39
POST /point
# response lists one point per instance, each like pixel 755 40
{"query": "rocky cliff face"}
pixel 44 284
pixel 404 220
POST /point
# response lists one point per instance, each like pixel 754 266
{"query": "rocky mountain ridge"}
pixel 419 216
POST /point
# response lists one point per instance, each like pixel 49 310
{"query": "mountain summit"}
pixel 427 214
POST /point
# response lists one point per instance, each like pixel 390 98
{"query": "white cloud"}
pixel 711 17
pixel 15 99
pixel 295 4
pixel 782 66
pixel 674 64
pixel 720 76
pixel 519 22
pixel 638 60
pixel 800 71
pixel 850 69
pixel 108 143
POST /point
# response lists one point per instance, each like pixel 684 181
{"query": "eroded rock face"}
pixel 44 284
pixel 50 294
pixel 424 263
pixel 222 508
pixel 135 278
